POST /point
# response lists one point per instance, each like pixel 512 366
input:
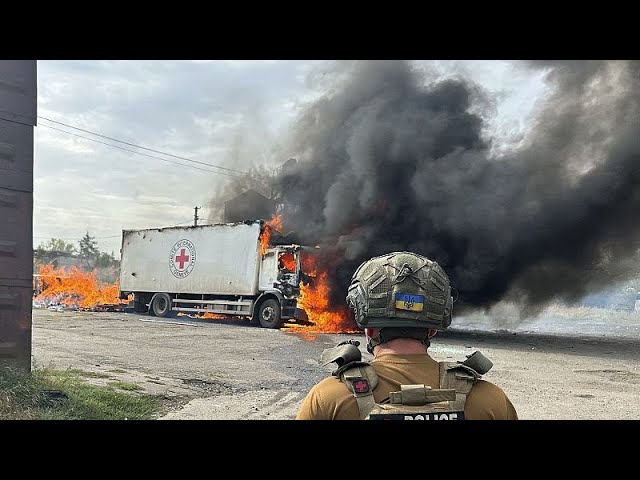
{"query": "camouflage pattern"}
pixel 401 289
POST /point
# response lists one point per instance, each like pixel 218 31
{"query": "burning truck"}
pixel 227 269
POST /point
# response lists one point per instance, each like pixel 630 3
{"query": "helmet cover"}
pixel 401 289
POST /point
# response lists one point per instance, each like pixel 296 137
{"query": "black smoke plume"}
pixel 391 158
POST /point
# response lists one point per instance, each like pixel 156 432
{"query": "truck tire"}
pixel 269 314
pixel 161 305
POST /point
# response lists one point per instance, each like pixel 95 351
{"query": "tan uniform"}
pixel 331 399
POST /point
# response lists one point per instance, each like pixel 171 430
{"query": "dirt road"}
pixel 230 370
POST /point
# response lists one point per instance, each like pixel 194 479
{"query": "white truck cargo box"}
pixel 209 259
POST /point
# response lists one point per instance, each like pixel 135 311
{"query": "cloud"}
pixel 195 110
pixel 235 114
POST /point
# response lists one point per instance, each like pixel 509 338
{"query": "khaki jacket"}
pixel 331 399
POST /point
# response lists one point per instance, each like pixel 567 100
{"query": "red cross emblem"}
pixel 182 258
pixel 361 386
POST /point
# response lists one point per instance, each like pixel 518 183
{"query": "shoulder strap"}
pixel 458 377
pixel 361 379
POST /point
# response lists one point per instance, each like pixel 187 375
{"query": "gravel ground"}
pixel 229 370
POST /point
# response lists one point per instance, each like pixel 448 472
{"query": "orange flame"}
pixel 76 288
pixel 276 222
pixel 265 236
pixel 212 315
pixel 314 299
pixel 288 261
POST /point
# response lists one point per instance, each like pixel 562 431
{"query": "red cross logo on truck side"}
pixel 182 258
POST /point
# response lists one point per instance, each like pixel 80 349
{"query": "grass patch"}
pixel 132 387
pixel 47 394
pixel 117 370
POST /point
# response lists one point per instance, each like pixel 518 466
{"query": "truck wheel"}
pixel 269 314
pixel 161 305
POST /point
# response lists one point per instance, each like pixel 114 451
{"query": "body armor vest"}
pixel 412 402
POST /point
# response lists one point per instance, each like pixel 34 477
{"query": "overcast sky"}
pixel 231 114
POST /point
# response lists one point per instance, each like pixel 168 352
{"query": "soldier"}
pixel 401 300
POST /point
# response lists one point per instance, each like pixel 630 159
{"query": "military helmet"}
pixel 401 289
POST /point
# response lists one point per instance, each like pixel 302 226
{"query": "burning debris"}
pixel 74 290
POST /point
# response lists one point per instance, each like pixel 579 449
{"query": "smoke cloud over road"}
pixel 391 158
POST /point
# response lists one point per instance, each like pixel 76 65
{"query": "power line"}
pixel 112 236
pixel 76 238
pixel 143 148
pixel 181 223
pixel 139 153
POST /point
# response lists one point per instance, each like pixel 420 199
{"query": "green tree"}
pixel 56 245
pixel 89 250
pixel 105 260
pixel 47 251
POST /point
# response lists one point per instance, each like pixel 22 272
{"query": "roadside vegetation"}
pixel 48 394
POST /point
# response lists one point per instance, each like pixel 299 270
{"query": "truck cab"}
pixel 280 276
pixel 281 270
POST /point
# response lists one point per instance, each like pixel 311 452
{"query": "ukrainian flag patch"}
pixel 408 301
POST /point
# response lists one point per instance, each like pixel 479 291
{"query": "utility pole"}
pixel 195 217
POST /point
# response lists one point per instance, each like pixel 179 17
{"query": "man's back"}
pixel 331 399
